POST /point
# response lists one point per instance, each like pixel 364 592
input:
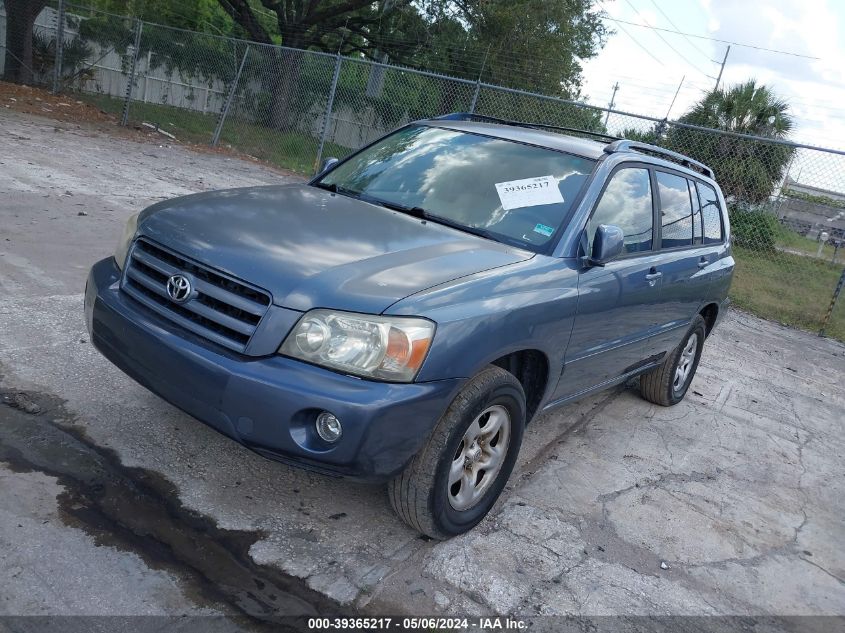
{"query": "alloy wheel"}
pixel 479 457
pixel 685 363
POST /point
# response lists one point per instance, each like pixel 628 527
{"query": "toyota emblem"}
pixel 179 288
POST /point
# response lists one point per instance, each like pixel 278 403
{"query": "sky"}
pixel 815 88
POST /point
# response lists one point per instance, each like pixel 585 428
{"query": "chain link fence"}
pixel 292 108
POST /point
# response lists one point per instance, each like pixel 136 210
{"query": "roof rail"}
pixel 645 148
pixel 468 116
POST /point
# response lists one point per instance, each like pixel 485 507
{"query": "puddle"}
pixel 139 511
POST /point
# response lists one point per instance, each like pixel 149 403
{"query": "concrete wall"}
pixel 813 191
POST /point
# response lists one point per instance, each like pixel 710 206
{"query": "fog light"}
pixel 328 427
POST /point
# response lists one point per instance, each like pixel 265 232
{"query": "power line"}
pixel 634 39
pixel 647 82
pixel 645 85
pixel 665 41
pixel 669 20
pixel 712 39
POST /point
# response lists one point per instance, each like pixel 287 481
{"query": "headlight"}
pixel 125 241
pixel 382 347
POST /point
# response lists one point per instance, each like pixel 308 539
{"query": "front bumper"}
pixel 267 403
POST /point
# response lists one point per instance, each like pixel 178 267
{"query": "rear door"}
pixel 686 253
pixel 617 302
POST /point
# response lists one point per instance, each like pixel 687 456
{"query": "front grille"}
pixel 221 308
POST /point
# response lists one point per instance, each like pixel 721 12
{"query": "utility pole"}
pixel 722 69
pixel 58 63
pixel 477 92
pixel 484 63
pixel 612 103
pixel 675 97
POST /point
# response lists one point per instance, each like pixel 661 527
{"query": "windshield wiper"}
pixel 463 227
pixel 335 188
pixel 419 212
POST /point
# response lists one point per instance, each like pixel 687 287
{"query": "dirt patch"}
pixel 32 100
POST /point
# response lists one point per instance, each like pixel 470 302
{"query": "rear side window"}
pixel 697 225
pixel 676 210
pixel 711 214
pixel 626 203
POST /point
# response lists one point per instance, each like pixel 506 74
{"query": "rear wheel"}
pixel 456 478
pixel 667 384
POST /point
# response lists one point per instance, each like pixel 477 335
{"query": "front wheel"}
pixel 667 384
pixel 456 478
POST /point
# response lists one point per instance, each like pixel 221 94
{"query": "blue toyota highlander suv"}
pixel 405 314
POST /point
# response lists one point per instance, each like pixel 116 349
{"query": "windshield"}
pixel 519 194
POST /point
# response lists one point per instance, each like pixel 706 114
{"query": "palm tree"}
pixel 747 169
pixel 745 108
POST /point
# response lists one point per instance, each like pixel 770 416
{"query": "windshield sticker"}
pixel 542 229
pixel 529 192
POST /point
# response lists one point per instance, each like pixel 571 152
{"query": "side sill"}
pixel 600 387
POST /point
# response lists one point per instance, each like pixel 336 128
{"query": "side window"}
pixel 626 203
pixel 676 210
pixel 711 214
pixel 696 213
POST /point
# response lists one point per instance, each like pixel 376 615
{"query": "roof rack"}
pixel 645 148
pixel 468 116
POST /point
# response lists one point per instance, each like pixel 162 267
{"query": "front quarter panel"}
pixel 529 305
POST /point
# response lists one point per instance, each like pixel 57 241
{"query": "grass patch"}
pixel 796 241
pixel 289 150
pixel 788 288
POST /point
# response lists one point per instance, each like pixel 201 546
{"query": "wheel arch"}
pixel 531 368
pixel 710 313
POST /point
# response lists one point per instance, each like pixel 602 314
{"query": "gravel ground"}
pixel 730 503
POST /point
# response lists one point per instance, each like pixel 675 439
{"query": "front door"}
pixel 617 303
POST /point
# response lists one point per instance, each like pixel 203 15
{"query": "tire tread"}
pixel 656 385
pixel 410 491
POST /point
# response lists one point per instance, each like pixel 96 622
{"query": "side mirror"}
pixel 328 164
pixel 608 244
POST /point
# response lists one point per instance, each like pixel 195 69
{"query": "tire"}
pixel 426 495
pixel 659 385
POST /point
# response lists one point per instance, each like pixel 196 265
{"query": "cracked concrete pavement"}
pixel 731 502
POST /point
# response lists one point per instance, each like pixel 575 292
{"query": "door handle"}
pixel 703 262
pixel 652 276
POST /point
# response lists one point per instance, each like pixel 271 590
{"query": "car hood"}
pixel 312 248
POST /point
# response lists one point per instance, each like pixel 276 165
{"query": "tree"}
pixel 745 108
pixel 345 26
pixel 746 169
pixel 650 135
pixel 193 15
pixel 534 45
pixel 530 44
pixel 20 19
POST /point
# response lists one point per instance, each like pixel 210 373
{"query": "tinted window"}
pixel 696 214
pixel 519 193
pixel 710 213
pixel 626 203
pixel 676 210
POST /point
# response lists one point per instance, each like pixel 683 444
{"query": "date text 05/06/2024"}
pixel 417 623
